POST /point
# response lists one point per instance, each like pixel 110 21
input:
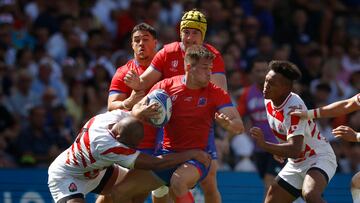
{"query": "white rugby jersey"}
pixel 285 126
pixel 94 149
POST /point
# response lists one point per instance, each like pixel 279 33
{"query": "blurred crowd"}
pixel 57 59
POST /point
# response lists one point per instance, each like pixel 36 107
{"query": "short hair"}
pixel 286 68
pixel 195 52
pixel 144 27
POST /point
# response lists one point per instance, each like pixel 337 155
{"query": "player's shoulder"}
pixel 172 80
pixel 293 103
pixel 172 47
pixel 127 66
pixel 211 48
pixel 216 89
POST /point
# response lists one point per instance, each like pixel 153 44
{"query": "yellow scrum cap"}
pixel 194 19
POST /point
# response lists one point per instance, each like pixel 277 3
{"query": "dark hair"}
pixel 286 68
pixel 257 59
pixel 196 52
pixel 144 27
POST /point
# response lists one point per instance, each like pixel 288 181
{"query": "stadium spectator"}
pixel 251 106
pixel 311 160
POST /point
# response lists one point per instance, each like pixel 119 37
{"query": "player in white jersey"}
pixel 311 160
pixel 89 164
pixel 345 132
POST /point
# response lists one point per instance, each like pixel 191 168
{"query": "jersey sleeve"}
pixel 159 85
pixel 114 152
pixel 218 65
pixel 222 98
pixel 158 62
pixel 294 125
pixel 117 82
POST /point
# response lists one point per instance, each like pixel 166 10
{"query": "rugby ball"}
pixel 162 98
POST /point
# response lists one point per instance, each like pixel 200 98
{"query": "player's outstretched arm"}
pixel 332 110
pixel 229 119
pixel 346 133
pixel 145 161
pixel 121 101
pixel 291 149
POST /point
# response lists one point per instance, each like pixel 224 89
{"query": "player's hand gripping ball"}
pixel 165 107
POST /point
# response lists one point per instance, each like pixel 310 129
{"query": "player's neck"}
pixel 145 62
pixel 280 100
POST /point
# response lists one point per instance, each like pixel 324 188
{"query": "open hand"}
pixel 132 80
pixel 258 135
pixel 346 133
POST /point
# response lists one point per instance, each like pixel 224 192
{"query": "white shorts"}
pixel 294 173
pixel 68 187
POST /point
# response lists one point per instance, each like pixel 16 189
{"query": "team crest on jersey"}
pixel 174 65
pixel 72 187
pixel 202 101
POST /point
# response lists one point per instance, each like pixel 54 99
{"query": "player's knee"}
pixel 311 195
pixel 355 181
pixel 178 186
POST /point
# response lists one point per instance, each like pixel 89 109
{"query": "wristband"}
pixel 358 137
pixel 313 113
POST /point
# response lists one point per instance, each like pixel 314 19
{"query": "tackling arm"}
pixel 145 161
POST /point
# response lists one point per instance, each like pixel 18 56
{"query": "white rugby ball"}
pixel 162 98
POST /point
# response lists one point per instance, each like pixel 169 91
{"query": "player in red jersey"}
pixel 143 41
pixel 169 62
pixel 195 103
pixel 107 141
pixel 121 96
pixel 333 110
pixel 311 160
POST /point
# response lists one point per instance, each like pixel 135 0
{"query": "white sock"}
pixel 355 192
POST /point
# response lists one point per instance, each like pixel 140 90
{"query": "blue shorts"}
pixel 149 151
pixel 165 175
pixel 211 148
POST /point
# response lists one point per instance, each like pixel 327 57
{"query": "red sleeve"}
pixel 117 82
pixel 241 103
pixel 222 98
pixel 158 61
pixel 218 64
